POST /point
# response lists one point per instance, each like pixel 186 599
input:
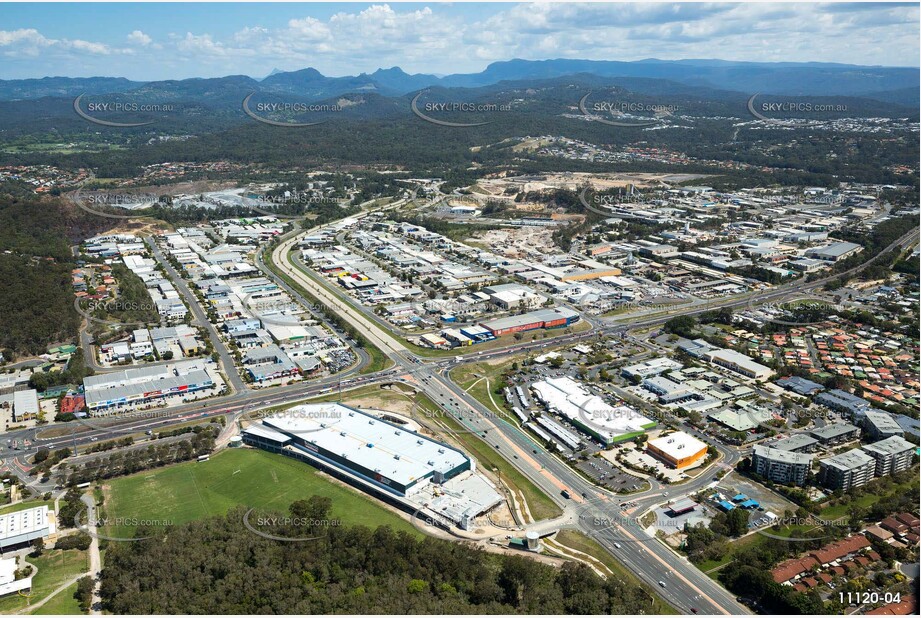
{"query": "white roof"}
pixel 678 445
pixel 569 398
pixel 392 451
pixel 25 402
pixel 26 521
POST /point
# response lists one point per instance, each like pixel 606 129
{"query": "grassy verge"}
pixel 195 490
pixel 711 567
pixel 54 568
pixel 540 505
pixel 28 504
pixel 578 541
pixel 61 604
pixel 379 360
pixel 473 378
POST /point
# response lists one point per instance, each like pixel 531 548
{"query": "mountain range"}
pixel 889 84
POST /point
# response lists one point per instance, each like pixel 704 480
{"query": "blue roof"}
pixel 739 497
pixel 749 503
pixel 726 506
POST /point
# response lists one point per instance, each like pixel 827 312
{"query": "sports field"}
pixel 247 477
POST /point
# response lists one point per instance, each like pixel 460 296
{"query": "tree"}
pixel 682 325
pixel 84 593
pixel 38 546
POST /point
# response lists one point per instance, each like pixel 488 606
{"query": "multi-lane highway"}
pixel 685 586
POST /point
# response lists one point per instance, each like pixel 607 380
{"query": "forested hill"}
pixel 217 566
pixel 36 299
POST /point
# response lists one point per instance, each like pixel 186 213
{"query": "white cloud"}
pixel 445 39
pixel 139 38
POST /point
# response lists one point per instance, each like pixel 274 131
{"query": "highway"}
pixel 685 586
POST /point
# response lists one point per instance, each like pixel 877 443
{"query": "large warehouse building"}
pixel 740 363
pixel 385 454
pixel 385 459
pixel 558 317
pixel 20 527
pixel 132 386
pixel 590 413
pixel 678 449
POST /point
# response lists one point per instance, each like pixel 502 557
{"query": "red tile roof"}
pixel 908 605
pixel 785 571
pixel 840 549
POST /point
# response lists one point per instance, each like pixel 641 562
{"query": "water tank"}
pixel 533 541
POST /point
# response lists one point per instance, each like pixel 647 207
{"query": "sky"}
pixel 152 41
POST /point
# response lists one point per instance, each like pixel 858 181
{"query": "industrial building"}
pixel 800 386
pixel 879 425
pixel 834 252
pixel 650 368
pixel 383 453
pixel 892 455
pixel 590 413
pixel 847 470
pixel 383 458
pixel 741 420
pixel 781 466
pixel 513 296
pixel 25 526
pixel 18 406
pixel 144 384
pixel 740 363
pixel 669 391
pixel 678 449
pixel 8 582
pixel 558 317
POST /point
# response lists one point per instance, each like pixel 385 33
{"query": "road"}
pixel 686 586
pixel 228 367
pixel 95 558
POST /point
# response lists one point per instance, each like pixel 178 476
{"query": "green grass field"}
pixel 62 604
pixel 28 504
pixel 54 568
pixel 247 477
